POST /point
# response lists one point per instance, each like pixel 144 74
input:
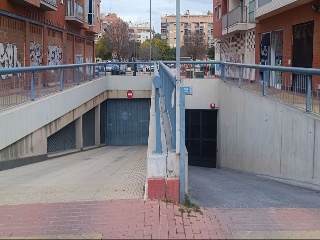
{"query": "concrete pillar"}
pixel 79 138
pixel 97 125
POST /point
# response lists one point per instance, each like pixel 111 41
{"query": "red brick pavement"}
pixel 148 219
pixel 114 219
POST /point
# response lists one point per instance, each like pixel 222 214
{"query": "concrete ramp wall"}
pixel 259 135
pixel 24 129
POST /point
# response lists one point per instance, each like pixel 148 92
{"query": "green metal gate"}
pixel 127 121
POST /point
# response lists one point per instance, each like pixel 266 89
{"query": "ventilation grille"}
pixel 64 139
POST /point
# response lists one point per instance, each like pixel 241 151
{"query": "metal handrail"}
pixel 168 88
pixel 27 85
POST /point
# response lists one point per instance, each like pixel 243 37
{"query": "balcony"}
pixel 27 3
pixel 74 12
pixel 269 8
pixel 48 5
pixel 235 21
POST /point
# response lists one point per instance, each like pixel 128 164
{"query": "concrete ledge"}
pixel 5 165
pixel 309 185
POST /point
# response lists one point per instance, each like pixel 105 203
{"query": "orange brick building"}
pixel 47 32
pixel 286 36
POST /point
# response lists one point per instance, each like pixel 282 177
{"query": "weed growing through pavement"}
pixel 190 206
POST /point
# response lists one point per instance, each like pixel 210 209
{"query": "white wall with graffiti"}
pixel 8 57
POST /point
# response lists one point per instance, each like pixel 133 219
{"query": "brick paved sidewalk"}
pixel 102 219
pixel 152 219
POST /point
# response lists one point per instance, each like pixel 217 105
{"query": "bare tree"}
pixel 194 45
pixel 118 34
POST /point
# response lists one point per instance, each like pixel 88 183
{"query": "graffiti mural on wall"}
pixel 88 60
pixel 79 59
pixel 54 55
pixel 9 57
pixel 36 57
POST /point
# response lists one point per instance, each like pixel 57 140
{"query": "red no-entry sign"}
pixel 129 94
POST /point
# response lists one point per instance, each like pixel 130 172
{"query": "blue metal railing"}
pixel 157 86
pixel 168 87
pixel 23 84
pixel 297 86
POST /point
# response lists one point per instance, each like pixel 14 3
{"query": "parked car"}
pixel 115 70
pixel 140 68
pixel 108 67
pixel 123 69
pixel 98 69
pixel 148 67
pixel 118 70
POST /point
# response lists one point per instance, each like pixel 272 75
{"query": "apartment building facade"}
pixel 106 19
pixel 189 23
pixel 47 32
pixel 234 32
pixel 287 36
pixel 140 32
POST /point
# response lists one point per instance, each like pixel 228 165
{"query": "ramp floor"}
pixel 104 173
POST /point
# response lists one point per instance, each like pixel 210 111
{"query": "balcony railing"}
pixel 51 2
pixel 74 10
pixel 48 5
pixel 263 2
pixel 237 15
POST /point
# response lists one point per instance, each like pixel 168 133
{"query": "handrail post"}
pixel 264 90
pixel 240 76
pixel 158 128
pixel 61 76
pixel 182 147
pixel 157 85
pixel 77 75
pixel 32 86
pixel 223 72
pixel 308 100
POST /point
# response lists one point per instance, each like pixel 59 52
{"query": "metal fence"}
pixel 299 87
pixel 296 86
pixel 24 84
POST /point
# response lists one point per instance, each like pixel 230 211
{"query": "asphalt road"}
pixel 220 188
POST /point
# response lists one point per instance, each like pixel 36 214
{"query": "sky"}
pixel 138 11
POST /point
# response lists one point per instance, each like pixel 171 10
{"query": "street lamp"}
pixel 150 35
pixel 178 80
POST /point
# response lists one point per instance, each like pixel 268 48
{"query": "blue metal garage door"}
pixel 127 121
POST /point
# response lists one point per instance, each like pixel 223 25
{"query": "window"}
pixel 217 12
pixel 252 7
pixel 90 12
